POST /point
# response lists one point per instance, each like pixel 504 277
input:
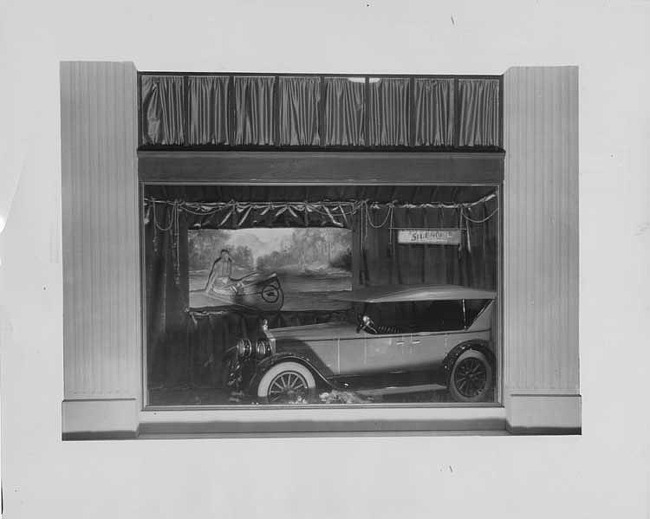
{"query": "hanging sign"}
pixel 429 236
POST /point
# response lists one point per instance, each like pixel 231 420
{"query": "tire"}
pixel 272 389
pixel 471 378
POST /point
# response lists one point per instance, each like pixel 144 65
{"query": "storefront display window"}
pixel 308 295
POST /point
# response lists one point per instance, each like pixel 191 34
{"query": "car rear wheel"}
pixel 287 383
pixel 471 378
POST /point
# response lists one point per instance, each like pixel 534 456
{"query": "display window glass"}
pixel 316 295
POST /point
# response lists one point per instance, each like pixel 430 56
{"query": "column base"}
pixel 544 414
pixel 101 419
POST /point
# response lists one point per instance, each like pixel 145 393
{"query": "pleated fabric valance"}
pixel 207 101
pixel 299 102
pixel 224 111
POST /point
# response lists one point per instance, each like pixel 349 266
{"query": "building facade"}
pixel 110 154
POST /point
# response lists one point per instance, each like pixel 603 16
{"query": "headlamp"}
pixel 263 348
pixel 244 348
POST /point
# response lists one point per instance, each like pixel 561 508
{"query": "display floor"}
pixel 187 396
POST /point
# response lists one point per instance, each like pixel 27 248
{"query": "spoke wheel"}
pixel 287 383
pixel 471 377
pixel 287 387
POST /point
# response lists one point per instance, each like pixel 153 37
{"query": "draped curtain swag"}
pixel 163 117
pixel 244 215
pixel 434 112
pixel 344 112
pixel 254 105
pixel 299 111
pixel 389 112
pixel 208 110
pixel 346 193
pixel 479 112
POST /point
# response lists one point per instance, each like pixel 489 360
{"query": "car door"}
pixel 427 348
pixel 369 353
pixel 386 352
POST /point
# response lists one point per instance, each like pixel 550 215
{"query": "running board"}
pixel 397 390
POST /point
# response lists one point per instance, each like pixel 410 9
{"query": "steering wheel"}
pixel 364 323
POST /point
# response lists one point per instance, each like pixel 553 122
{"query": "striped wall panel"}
pixel 101 276
pixel 541 230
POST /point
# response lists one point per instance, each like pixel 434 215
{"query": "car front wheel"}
pixel 287 383
pixel 471 378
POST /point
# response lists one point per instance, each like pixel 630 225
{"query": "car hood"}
pixel 312 332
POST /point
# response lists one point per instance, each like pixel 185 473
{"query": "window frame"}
pixel 225 419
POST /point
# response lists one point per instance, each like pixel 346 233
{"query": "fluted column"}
pixel 541 248
pixel 101 260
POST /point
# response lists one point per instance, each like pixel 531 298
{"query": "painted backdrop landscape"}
pixel 311 263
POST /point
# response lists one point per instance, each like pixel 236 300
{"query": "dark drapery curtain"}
pixel 212 333
pixel 167 296
pixel 479 112
pixel 208 110
pixel 299 111
pixel 388 112
pixel 254 106
pixel 434 112
pixel 209 336
pixel 344 112
pixel 163 117
pixel 382 261
pixel 482 229
pixel 385 262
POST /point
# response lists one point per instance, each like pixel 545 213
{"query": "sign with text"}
pixel 429 236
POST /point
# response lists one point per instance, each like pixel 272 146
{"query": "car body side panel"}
pixel 320 352
pixel 428 349
pixel 381 353
pixel 463 336
pixel 371 353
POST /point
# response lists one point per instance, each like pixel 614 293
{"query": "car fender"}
pixel 266 364
pixel 473 344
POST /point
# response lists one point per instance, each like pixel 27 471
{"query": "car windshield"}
pixel 422 316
